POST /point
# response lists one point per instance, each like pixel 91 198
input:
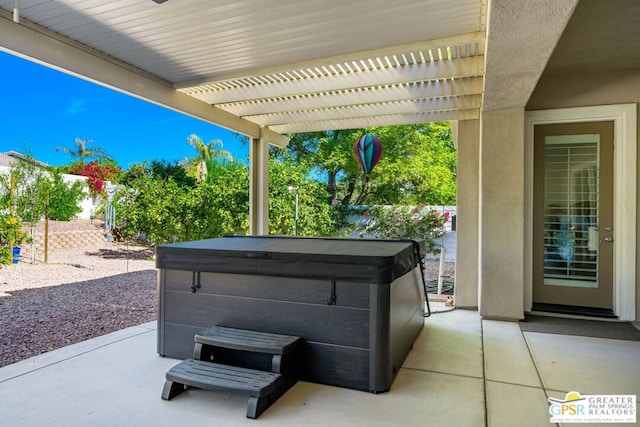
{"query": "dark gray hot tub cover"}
pixel 353 260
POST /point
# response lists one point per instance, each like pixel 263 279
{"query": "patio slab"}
pixel 50 358
pixel 511 405
pixel 587 365
pixel 453 376
pixel 506 355
pixel 451 343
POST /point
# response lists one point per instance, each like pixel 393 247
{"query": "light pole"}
pixel 292 188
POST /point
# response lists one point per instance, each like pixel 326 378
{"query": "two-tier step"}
pixel 226 359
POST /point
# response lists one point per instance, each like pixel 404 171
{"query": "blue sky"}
pixel 41 108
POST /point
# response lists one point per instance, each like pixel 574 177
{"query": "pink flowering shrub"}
pixel 97 174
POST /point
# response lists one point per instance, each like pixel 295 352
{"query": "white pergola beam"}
pixel 388 120
pixel 371 110
pixel 463 67
pixel 421 90
pixel 460 40
pixel 274 138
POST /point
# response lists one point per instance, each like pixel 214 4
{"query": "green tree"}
pixel 418 164
pixel 207 152
pixel 29 182
pixel 162 169
pixel 64 198
pixel 81 151
pixel 154 203
pixel 328 155
pixel 221 205
pixel 315 216
pixel 151 206
pixel 33 184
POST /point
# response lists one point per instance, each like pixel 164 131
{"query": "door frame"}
pixel 624 118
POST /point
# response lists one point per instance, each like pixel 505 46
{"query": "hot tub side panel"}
pixel 336 328
pixel 380 332
pixel 396 319
pixel 406 317
pixel 160 329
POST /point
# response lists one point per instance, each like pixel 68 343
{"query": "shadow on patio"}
pixel 462 371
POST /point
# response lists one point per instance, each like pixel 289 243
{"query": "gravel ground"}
pixel 80 294
pixel 84 293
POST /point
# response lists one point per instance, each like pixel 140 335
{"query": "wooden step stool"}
pixel 262 387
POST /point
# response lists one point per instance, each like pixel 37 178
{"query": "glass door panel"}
pixel 571 216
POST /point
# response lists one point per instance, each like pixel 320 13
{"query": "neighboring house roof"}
pixel 8 158
pixel 5 161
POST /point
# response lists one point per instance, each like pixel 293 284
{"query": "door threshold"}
pixel 572 310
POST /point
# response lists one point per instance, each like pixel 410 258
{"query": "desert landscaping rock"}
pixel 80 294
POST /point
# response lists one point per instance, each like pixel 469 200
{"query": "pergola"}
pixel 268 68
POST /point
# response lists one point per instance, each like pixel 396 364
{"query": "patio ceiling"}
pixel 290 66
pixel 422 82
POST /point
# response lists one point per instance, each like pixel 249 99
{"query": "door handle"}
pixel 607 240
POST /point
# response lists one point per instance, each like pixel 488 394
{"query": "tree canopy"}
pixel 418 164
pixel 208 196
pixel 33 186
pixel 81 151
pixel 206 153
pixel 165 207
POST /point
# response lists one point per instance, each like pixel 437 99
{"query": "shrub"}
pixel 97 175
pixel 405 222
pixel 6 256
pixel 10 234
pixel 64 198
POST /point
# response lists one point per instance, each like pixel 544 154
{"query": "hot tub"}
pixel 358 304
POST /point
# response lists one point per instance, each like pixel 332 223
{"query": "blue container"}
pixel 16 254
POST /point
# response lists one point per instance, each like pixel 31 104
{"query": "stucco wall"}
pixel 563 91
pixel 501 231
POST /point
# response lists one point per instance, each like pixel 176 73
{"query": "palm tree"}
pixel 82 151
pixel 207 152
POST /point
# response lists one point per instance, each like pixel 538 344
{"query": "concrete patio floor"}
pixel 462 371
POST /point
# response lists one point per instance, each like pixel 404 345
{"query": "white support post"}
pixel 259 186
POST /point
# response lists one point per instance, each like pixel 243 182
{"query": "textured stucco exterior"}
pixel 521 37
pixel 532 64
pixel 588 89
pixel 501 262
